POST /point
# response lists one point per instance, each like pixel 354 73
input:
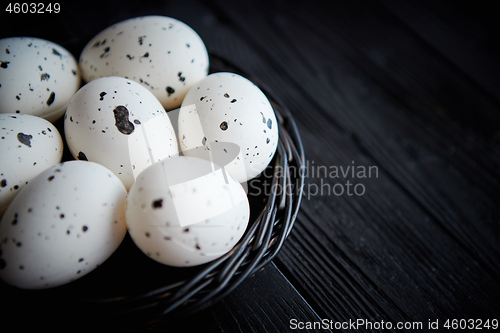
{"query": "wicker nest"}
pixel 131 286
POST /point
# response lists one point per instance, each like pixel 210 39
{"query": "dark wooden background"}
pixel 410 87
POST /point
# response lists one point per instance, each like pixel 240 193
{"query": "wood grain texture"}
pixel 275 304
pixel 409 88
pixel 364 89
pixel 466 34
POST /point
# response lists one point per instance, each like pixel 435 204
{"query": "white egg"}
pixel 28 146
pixel 162 53
pixel 62 225
pixel 37 77
pixel 228 108
pixel 120 124
pixel 186 211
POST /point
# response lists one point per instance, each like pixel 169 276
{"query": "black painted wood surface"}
pixel 410 89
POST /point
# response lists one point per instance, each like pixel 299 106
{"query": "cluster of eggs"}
pixel 181 206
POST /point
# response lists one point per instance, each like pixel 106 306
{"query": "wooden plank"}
pixel 425 203
pixel 424 148
pixel 266 302
pixel 466 34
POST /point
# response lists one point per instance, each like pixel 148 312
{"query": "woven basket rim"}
pixel 260 244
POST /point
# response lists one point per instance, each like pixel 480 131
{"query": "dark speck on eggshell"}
pixel 106 50
pixel 170 91
pixel 157 203
pixel 263 118
pixel 269 123
pixel 51 98
pixel 25 139
pixel 122 123
pixel 54 52
pixel 181 78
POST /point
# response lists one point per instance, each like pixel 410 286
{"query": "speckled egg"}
pixel 28 146
pixel 62 225
pixel 186 211
pixel 226 107
pixel 37 77
pixel 162 53
pixel 120 124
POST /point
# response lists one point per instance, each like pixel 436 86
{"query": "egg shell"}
pixel 62 225
pixel 226 107
pixel 28 146
pixel 37 77
pixel 120 124
pixel 162 53
pixel 186 211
